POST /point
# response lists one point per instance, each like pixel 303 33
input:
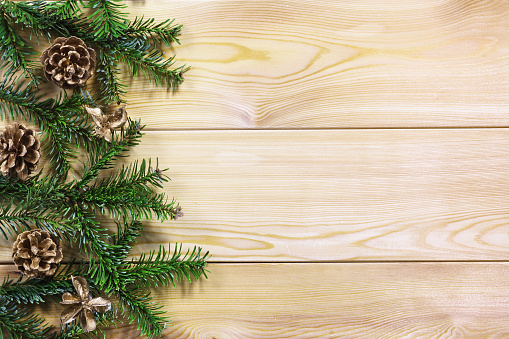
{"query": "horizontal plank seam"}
pixel 358 262
pixel 343 262
pixel 323 128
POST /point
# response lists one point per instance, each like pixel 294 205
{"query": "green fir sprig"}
pixel 19 323
pixel 72 204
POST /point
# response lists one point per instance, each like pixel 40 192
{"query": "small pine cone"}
pixel 68 62
pixel 19 151
pixel 37 253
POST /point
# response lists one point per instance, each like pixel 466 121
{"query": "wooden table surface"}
pixel 345 162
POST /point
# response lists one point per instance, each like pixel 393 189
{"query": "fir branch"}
pixel 11 189
pixel 29 14
pixel 16 100
pixel 65 125
pixel 38 194
pixel 128 193
pixel 104 156
pixel 126 235
pixel 43 17
pixel 11 223
pixel 65 9
pixel 111 89
pixel 42 203
pixel 63 22
pixel 165 31
pixel 15 52
pixel 107 20
pixel 142 58
pixel 139 175
pixel 18 219
pixel 67 115
pixel 129 202
pixel 33 291
pixel 147 313
pixel 101 255
pixel 18 323
pixel 164 268
pixel 63 122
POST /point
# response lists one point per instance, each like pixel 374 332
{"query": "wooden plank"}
pixel 331 63
pixel 414 300
pixel 265 195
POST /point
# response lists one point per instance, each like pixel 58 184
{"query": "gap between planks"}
pixel 335 262
pixel 275 129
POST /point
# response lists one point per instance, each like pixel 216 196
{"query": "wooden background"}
pixel 345 162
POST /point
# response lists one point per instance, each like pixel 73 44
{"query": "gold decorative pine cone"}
pixel 37 253
pixel 68 62
pixel 107 122
pixel 82 305
pixel 19 151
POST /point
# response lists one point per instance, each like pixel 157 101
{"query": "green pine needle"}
pixel 138 305
pixel 33 291
pixel 17 322
pixel 141 58
pixel 66 205
pixel 163 268
pixel 15 52
pixel 166 31
pixel 108 19
pixel 111 88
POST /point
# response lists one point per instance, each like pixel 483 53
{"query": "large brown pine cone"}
pixel 68 62
pixel 19 151
pixel 37 253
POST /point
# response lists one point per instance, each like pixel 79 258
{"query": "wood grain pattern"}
pixel 327 63
pixel 303 164
pixel 334 194
pixel 405 300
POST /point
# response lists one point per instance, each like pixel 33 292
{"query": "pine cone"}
pixel 19 151
pixel 68 62
pixel 37 253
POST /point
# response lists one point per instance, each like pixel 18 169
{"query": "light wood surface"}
pixel 404 300
pixel 409 194
pixel 329 63
pixel 345 162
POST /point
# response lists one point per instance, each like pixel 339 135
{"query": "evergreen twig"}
pixel 166 31
pixel 127 193
pixel 15 52
pixel 163 268
pixel 33 291
pixel 18 323
pixel 142 58
pixel 62 121
pixel 108 18
pixel 111 88
pixel 142 310
pixel 68 209
pixel 104 156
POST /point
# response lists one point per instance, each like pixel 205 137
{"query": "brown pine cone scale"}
pixel 19 151
pixel 37 253
pixel 68 62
